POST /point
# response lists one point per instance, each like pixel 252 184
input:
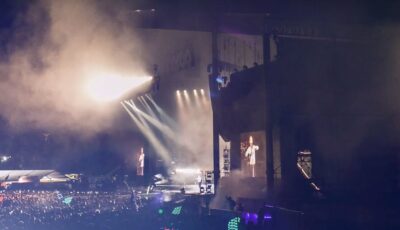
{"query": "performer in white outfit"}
pixel 140 166
pixel 199 180
pixel 251 154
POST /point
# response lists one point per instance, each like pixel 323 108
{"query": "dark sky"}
pixel 9 10
pixel 343 11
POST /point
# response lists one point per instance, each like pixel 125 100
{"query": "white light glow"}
pixel 188 170
pixel 302 171
pixel 315 186
pixel 4 158
pixel 186 95
pixel 109 88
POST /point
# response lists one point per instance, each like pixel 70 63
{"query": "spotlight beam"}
pixel 187 97
pixel 134 108
pixel 148 108
pixel 141 102
pixel 164 128
pixel 203 98
pixel 149 135
pixel 165 117
pixel 196 98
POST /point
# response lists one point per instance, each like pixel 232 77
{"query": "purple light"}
pixel 246 217
pixel 267 217
pixel 254 218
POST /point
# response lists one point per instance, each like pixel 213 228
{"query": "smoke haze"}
pixel 56 47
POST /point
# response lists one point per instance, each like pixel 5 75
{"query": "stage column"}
pixel 214 75
pixel 269 112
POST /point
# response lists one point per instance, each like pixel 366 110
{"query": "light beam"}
pixel 162 127
pixel 164 117
pixel 149 135
pixel 111 87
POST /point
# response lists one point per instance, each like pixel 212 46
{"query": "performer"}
pixel 140 163
pixel 251 154
pixel 199 180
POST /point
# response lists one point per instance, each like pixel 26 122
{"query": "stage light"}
pixel 4 159
pixel 187 98
pixel 111 87
pixel 220 80
pixel 196 98
pixel 179 98
pixel 204 100
pixel 233 224
pixel 177 210
pixel 267 216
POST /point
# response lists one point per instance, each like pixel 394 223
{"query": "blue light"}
pixel 233 223
pixel 177 210
pixel 220 79
pixel 67 200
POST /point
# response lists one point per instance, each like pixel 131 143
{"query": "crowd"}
pixel 120 210
pixel 27 209
pixel 67 210
pixel 90 210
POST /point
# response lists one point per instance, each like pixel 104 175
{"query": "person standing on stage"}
pixel 140 163
pixel 251 154
pixel 199 180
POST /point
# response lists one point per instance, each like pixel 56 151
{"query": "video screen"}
pixel 253 154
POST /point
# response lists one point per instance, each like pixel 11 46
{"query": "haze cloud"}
pixel 57 47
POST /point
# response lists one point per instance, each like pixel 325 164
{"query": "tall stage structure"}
pixel 320 100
